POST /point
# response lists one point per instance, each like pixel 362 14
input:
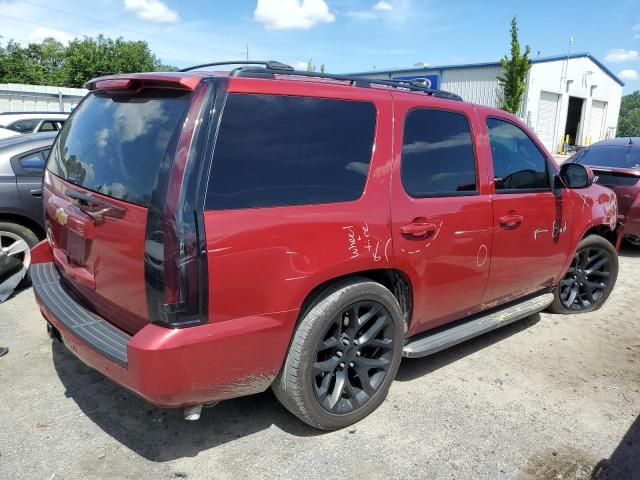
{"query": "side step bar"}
pixel 444 338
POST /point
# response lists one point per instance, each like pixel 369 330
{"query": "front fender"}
pixel 593 207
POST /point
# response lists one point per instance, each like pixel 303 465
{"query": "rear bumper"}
pixel 169 367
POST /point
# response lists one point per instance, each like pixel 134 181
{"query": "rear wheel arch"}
pixel 396 281
pixel 24 222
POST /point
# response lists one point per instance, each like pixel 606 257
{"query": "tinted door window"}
pixel 117 145
pixel 24 126
pixel 275 150
pixel 517 162
pixel 437 154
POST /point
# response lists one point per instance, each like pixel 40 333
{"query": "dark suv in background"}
pixel 616 164
pixel 22 160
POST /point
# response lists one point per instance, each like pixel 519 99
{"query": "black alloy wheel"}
pixel 353 357
pixel 344 354
pixel 590 278
pixel 587 279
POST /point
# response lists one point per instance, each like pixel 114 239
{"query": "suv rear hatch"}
pixel 110 162
pixel 623 182
pixel 616 167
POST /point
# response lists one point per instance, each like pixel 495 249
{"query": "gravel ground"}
pixel 550 397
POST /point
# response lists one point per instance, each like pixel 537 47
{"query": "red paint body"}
pixel 611 168
pixel 628 199
pixel 263 263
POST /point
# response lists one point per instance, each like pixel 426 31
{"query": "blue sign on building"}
pixel 432 81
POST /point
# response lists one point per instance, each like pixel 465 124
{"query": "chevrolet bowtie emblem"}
pixel 61 216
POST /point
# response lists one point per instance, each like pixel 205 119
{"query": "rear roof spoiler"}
pixel 138 81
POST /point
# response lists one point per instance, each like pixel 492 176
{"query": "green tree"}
pixel 51 63
pixel 512 81
pixel 629 121
pixel 17 65
pixel 310 66
pixel 89 58
pixel 48 58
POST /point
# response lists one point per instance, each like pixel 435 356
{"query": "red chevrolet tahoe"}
pixel 211 235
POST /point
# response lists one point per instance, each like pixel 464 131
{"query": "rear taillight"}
pixel 175 253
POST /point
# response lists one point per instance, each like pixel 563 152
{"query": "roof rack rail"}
pixel 271 68
pixel 269 65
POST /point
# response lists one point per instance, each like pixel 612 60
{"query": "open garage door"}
pixel 596 120
pixel 547 116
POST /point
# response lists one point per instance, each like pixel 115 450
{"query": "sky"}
pixel 345 35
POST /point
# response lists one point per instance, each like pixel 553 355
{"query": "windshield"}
pixel 115 145
pixel 621 156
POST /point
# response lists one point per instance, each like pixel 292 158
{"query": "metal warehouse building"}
pixel 17 97
pixel 574 95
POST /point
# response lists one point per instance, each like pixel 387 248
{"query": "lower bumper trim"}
pixel 93 330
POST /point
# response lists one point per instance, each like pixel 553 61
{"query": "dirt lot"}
pixel 550 397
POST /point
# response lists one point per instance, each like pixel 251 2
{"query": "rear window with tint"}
pixel 115 145
pixel 275 150
pixel 615 179
pixel 610 156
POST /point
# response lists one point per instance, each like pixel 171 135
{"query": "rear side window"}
pixel 35 161
pixel 115 145
pixel 517 162
pixel 24 126
pixel 29 164
pixel 275 150
pixel 437 154
pixel 49 126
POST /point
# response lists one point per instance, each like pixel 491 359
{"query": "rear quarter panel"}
pixel 11 203
pixel 267 260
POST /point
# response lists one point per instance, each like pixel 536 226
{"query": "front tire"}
pixel 590 278
pixel 344 355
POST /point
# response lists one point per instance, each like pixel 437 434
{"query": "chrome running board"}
pixel 430 343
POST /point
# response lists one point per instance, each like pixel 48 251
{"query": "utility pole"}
pixel 565 67
pixel 247 50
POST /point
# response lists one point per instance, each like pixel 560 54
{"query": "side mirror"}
pixel 575 175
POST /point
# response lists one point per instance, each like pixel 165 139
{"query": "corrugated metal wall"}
pixel 16 97
pixel 476 85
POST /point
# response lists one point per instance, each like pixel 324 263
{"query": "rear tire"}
pixel 344 355
pixel 13 232
pixel 590 278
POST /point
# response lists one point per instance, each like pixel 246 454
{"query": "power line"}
pixel 78 35
pixel 65 12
